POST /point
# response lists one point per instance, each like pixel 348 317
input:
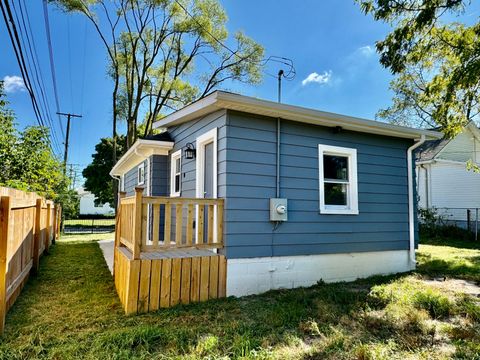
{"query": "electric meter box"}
pixel 278 209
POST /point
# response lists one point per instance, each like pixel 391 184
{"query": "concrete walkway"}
pixel 107 250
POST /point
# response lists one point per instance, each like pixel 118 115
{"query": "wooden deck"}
pixel 169 254
pixel 161 260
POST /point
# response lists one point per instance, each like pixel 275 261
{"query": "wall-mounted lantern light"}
pixel 190 151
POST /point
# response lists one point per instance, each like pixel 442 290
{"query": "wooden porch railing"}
pixel 152 223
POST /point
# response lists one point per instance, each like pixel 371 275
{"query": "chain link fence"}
pixel 88 226
pixel 463 218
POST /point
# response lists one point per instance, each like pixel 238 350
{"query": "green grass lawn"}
pixel 71 311
pixel 68 238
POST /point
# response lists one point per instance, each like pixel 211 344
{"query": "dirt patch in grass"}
pixel 455 285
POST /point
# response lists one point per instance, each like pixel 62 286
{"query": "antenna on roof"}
pixel 280 74
pixel 288 74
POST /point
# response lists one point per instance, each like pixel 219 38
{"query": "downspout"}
pixel 118 178
pixel 411 207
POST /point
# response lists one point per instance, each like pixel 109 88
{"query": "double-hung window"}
pixel 175 173
pixel 338 180
pixel 141 174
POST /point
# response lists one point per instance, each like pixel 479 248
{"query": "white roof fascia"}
pixel 223 100
pixel 140 150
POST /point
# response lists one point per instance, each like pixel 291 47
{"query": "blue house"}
pixel 308 195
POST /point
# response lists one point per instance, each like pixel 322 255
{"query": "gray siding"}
pixel 188 133
pixel 131 180
pixel 248 182
pixel 158 175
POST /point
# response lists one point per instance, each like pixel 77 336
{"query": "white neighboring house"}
pixel 443 180
pixel 87 204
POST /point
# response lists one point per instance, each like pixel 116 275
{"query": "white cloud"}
pixel 318 78
pixel 13 84
pixel 366 51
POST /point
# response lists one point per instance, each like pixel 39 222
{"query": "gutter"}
pixel 219 100
pixel 411 207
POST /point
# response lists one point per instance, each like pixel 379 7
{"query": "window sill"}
pixel 173 195
pixel 339 211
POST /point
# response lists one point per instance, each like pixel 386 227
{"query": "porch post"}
pixel 118 227
pixel 118 219
pixel 137 223
pixel 54 223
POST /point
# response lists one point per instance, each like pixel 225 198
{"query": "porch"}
pixel 166 251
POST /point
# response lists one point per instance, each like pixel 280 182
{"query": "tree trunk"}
pixel 114 137
pixel 131 129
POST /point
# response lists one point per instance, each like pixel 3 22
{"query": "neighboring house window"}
pixel 141 174
pixel 175 173
pixel 338 180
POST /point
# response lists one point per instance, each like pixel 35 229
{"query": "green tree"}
pixel 27 162
pixel 436 63
pixel 165 54
pixel 96 174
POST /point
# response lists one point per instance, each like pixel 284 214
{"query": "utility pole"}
pixel 69 116
pixel 73 175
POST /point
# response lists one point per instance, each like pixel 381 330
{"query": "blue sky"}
pixel 330 41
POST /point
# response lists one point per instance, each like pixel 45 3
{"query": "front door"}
pixel 208 172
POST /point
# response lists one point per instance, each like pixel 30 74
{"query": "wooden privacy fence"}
pixel 29 224
pixel 152 223
pixel 164 251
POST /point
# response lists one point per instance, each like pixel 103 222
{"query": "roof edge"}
pixel 225 100
pixel 140 150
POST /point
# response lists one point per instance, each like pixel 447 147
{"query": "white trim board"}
pixel 204 139
pixel 140 150
pixel 230 101
pixel 258 275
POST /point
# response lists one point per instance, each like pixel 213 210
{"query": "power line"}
pixel 69 116
pixel 52 63
pixel 40 84
pixel 84 64
pixel 70 62
pixel 290 72
pixel 14 38
pixel 18 54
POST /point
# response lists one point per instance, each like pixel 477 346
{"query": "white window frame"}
pixel 352 195
pixel 141 167
pixel 174 171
